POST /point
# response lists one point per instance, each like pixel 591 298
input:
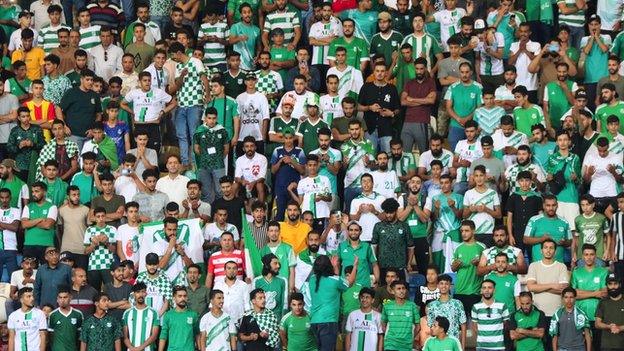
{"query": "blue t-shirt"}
pixel 286 174
pixel 117 133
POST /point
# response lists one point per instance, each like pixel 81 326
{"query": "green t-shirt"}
pixel 86 184
pixel 468 282
pixel 39 236
pixel 211 142
pixel 447 344
pixel 234 86
pixel 591 230
pixel 558 103
pixel 285 255
pixel 525 118
pixel 364 251
pixel 594 280
pixel 275 292
pixel 282 54
pixel 225 114
pixel 309 132
pixel 399 320
pixel 233 6
pixel 386 46
pixel 357 50
pixel 557 228
pixel 19 88
pixel 15 186
pixel 506 289
pixel 466 99
pixel 65 329
pixel 350 299
pixel 618 46
pixel 508 32
pixel 180 329
pixel 605 110
pixel 572 164
pixel 596 60
pixel 297 329
pixel 535 319
pixel 247 48
pixel 326 298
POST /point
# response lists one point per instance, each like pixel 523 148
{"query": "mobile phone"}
pixel 512 17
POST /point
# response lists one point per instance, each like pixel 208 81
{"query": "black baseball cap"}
pixel 67 256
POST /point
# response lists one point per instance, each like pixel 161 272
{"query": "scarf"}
pixel 108 149
pixel 580 320
pixel 305 256
pixel 526 193
pixel 268 322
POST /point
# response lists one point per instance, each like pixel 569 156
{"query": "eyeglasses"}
pixel 105 55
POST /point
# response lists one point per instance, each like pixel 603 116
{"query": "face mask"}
pixel 614 292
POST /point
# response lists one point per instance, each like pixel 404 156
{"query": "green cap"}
pixel 312 100
pixel 288 130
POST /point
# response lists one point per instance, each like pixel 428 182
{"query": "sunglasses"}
pixel 105 55
pixel 489 312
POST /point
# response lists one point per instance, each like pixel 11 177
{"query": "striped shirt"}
pixel 364 329
pixel 488 119
pixel 575 19
pixel 218 331
pixel 217 261
pixel 259 234
pixel 89 37
pixel 48 37
pixel 489 319
pixel 214 53
pixel 140 323
pixel 425 45
pixel 286 20
pixel 320 30
pixel 617 229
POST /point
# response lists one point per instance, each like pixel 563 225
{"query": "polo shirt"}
pixel 174 188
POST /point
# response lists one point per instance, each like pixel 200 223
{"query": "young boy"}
pixel 117 130
pixel 440 340
pixel 128 235
pixel 87 180
pixel 20 84
pixel 488 116
pixel 432 187
pixel 127 181
pixel 89 34
pixel 211 144
pixel 25 141
pixel 213 36
pixel 42 111
pixel 114 94
pixel 363 324
pixel 307 132
pixel 217 329
pixel 143 52
pixel 295 326
pixel 48 38
pixel 57 189
pixel 104 147
pixel 99 241
pixel 591 228
pixel 282 59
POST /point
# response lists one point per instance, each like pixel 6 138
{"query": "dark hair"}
pixel 178 288
pixel 99 210
pixel 63 289
pixel 443 323
pixel 99 296
pixel 569 289
pixel 138 286
pixel 23 291
pixel 490 280
pixel 322 268
pixel 588 247
pixel 367 291
pixel 149 173
pixel 548 241
pixel 52 59
pixel 254 292
pixel 131 204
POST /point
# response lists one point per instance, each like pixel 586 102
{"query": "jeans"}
pixel 379 143
pixel 326 335
pixel 187 120
pixel 350 193
pixel 8 260
pixel 576 33
pixel 161 21
pixel 67 9
pixel 79 140
pixel 210 183
pixel 281 200
pixel 455 135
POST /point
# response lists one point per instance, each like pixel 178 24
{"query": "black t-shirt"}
pixel 80 109
pixel 387 97
pixel 522 211
pixel 233 208
pixel 117 294
pixel 171 30
pixel 248 325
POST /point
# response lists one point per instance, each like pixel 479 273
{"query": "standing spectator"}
pixel 219 260
pixel 72 218
pixel 285 18
pixel 254 113
pixel 234 290
pixel 399 319
pixel 522 53
pixel 566 165
pixel 611 105
pixel 609 316
pixel 81 108
pixel 288 164
pixel 596 47
pixel 27 326
pixel 527 325
pixel 80 64
pixel 54 82
pixel 39 11
pixel 48 34
pixel 488 318
pixel 65 323
pixel 569 327
pixel 64 51
pixel 213 36
pixel 39 221
pixel 141 322
pixel 392 240
pixel 174 183
pixel 387 41
pixel 258 328
pixel 198 294
pixel 358 325
pixel 559 96
pixel 61 150
pixel 51 277
pixel 482 206
pixel 99 241
pixel 357 48
pixel 9 104
pixel 439 338
pixel 101 331
pixel 380 103
pixel 295 326
pixel 43 111
pixel 250 171
pixel 107 56
pixel 31 55
pixel 274 285
pixel 462 98
pixel 112 203
pixel 603 173
pixel 25 141
pixel 19 190
pixel 171 245
pixel 509 285
pixel 465 261
pixel 151 201
pixel 245 36
pixel 107 14
pixel 119 292
pixel 504 94
pixel 9 225
pixel 82 294
pixel 146 156
pixel 545 227
pixel 418 96
pixel 320 37
pixel 217 328
pixel 157 283
pixel 315 193
pixel 151 29
pixel 352 247
pixel 546 279
pixel 229 200
pixel 141 49
pixel 446 306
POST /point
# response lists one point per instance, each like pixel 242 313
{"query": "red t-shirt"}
pixel 217 261
pixel 341 5
pixel 414 89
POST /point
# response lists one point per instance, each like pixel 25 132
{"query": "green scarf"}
pixel 580 320
pixel 305 256
pixel 108 149
pixel 526 193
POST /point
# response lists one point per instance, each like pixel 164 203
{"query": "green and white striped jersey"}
pixel 101 257
pixel 218 331
pixel 364 329
pixel 484 222
pixel 331 107
pixel 140 323
pixel 469 152
pixel 350 81
pixel 488 119
pixel 89 37
pixel 48 38
pixel 320 30
pixel 425 45
pixel 310 188
pixel 446 220
pixel 489 319
pixel 488 64
pixel 576 19
pixel 214 53
pixel 287 20
pixel 355 152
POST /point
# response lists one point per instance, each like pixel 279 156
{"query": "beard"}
pixel 420 76
pixel 293 218
pixel 313 248
pixel 510 81
pixel 383 167
pixel 436 153
pixel 397 157
pixel 181 304
pixel 614 292
pixel 140 300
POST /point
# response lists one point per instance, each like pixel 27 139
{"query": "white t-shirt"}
pixel 126 187
pixel 8 216
pixel 218 330
pixel 252 110
pixel 426 157
pixel 300 103
pixel 212 232
pixel 603 183
pixel 386 183
pixel 529 80
pixel 331 107
pixel 501 141
pixel 468 152
pixel 367 220
pixel 366 328
pixel 350 80
pixel 27 327
pixel 251 169
pixel 310 188
pixel 483 221
pixel 491 65
pixel 147 105
pixel 320 30
pixel 127 237
pixel 17 278
pixel 449 23
pixel 334 239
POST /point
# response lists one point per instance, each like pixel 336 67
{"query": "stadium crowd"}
pixel 310 175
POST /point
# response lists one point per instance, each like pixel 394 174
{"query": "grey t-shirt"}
pixel 150 155
pixel 8 103
pixel 117 294
pixel 493 167
pixel 570 338
pixel 449 67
